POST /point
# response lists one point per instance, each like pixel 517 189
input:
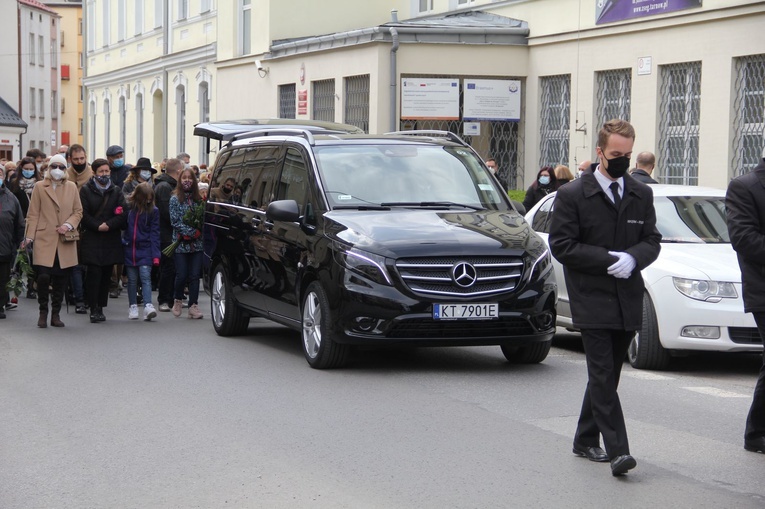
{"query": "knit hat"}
pixel 58 159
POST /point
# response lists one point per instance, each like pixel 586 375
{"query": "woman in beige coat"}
pixel 54 210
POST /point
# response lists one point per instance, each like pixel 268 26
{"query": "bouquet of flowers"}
pixel 20 273
pixel 195 218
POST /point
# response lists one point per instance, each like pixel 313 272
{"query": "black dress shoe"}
pixel 80 309
pixel 591 453
pixel 93 317
pixel 621 464
pixel 755 445
pixel 101 317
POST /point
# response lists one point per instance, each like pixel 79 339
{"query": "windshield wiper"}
pixel 429 204
pixel 361 207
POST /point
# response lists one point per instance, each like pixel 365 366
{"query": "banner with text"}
pixel 430 99
pixel 492 100
pixel 608 11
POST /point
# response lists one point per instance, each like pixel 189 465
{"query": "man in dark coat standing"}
pixel 644 166
pixel 604 233
pixel 163 190
pixel 745 204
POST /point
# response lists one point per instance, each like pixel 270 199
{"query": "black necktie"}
pixel 615 191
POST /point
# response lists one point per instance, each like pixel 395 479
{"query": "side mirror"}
pixel 283 210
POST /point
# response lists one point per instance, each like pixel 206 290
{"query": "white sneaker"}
pixel 133 314
pixel 149 312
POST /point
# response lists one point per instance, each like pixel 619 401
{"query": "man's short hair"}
pixel 491 159
pixel 75 148
pixel 645 159
pixel 615 126
pixel 174 166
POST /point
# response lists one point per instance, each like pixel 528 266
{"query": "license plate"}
pixel 465 311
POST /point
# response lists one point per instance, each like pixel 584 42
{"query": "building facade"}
pixel 687 74
pixel 149 75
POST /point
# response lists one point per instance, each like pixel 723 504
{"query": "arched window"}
pixel 139 125
pixel 204 116
pixel 180 103
pixel 123 120
pixel 107 123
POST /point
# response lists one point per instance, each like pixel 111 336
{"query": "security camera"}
pixel 259 65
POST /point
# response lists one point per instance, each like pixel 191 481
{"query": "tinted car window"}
pixel 293 183
pixel 541 221
pixel 694 219
pixel 227 177
pixel 260 165
pixel 363 174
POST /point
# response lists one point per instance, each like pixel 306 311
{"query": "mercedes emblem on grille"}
pixel 464 274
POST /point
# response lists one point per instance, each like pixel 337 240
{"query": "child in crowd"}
pixel 141 240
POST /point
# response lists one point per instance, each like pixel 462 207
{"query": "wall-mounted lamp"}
pixel 262 71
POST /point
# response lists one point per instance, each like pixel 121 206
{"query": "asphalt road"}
pixel 167 414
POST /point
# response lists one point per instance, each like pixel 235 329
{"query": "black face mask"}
pixel 227 190
pixel 103 179
pixel 617 166
pixel 79 168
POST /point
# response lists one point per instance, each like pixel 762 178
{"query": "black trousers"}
pixel 601 412
pixel 166 279
pixel 5 276
pixel 755 421
pixel 97 283
pixel 51 283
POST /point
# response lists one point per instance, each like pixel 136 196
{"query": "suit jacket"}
pixel 49 209
pixel 745 205
pixel 585 227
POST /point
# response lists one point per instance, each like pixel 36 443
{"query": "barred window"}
pixel 556 114
pixel 357 101
pixel 679 111
pixel 748 113
pixel 287 98
pixel 324 100
pixel 614 96
pixel 122 104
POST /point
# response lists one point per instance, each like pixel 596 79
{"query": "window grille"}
pixel 357 101
pixel 556 115
pixel 748 114
pixel 614 96
pixel 324 100
pixel 679 111
pixel 287 98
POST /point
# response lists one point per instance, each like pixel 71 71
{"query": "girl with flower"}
pixel 184 202
pixel 103 218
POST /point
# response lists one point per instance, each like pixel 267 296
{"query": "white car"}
pixel 693 290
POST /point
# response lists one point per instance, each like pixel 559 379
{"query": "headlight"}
pixel 541 265
pixel 369 265
pixel 710 291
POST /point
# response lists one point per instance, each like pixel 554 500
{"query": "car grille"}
pixel 745 335
pixel 486 275
pixel 425 328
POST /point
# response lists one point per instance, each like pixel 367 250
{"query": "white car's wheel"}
pixel 645 351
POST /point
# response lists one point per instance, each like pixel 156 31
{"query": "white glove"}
pixel 624 265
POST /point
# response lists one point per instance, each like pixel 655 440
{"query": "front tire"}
pixel 529 354
pixel 645 351
pixel 227 317
pixel 319 347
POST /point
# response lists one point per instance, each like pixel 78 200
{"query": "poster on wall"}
pixel 430 99
pixel 608 11
pixel 492 100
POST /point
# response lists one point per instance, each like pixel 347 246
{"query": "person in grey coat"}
pixel 11 235
pixel 604 233
pixel 745 205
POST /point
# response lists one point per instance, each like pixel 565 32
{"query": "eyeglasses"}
pixel 57 166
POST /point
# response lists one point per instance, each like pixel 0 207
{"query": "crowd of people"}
pixel 81 233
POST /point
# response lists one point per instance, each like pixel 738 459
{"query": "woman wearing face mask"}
pixel 103 218
pixel 545 184
pixel 55 209
pixel 142 172
pixel 11 235
pixel 21 187
pixel 188 254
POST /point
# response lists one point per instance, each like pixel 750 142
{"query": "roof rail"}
pixel 433 134
pixel 305 133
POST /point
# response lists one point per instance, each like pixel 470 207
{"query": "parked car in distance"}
pixel 403 238
pixel 693 299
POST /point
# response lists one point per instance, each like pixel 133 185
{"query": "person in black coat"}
pixel 644 166
pixel 11 235
pixel 163 190
pixel 104 215
pixel 604 233
pixel 544 184
pixel 745 204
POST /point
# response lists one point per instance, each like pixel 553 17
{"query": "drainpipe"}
pixel 393 71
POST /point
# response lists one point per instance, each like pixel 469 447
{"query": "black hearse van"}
pixel 365 240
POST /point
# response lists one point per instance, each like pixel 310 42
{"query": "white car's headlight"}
pixel 710 291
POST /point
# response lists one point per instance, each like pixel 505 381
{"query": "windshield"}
pixel 691 219
pixel 406 175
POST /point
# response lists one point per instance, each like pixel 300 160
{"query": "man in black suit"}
pixel 604 233
pixel 745 204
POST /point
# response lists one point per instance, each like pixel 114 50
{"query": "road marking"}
pixel 714 391
pixel 646 375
